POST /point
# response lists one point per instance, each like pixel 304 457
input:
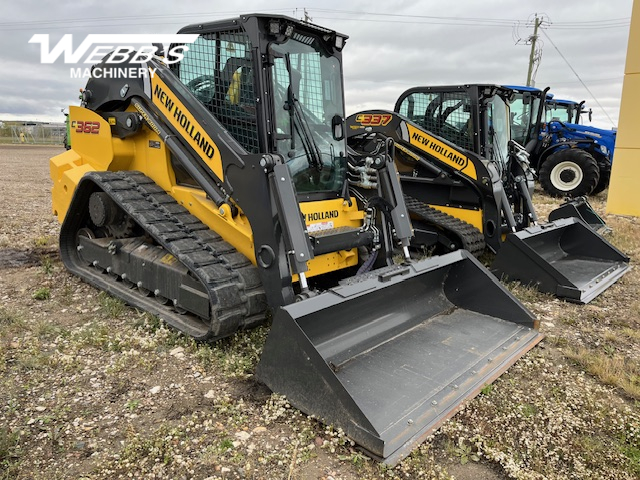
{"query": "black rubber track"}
pixel 468 236
pixel 237 299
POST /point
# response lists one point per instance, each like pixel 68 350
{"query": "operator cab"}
pixel 276 86
pixel 472 117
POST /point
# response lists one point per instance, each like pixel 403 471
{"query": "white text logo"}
pixel 113 49
pixel 117 47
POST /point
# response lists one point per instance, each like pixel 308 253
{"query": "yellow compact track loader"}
pixel 217 189
pixel 467 185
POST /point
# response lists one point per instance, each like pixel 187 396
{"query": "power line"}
pixel 467 21
pixel 425 22
pixel 602 27
pixel 625 19
pixel 578 77
pixel 169 15
pixel 401 18
pixel 591 81
pixel 585 23
pixel 73 27
pixel 429 17
pixel 87 21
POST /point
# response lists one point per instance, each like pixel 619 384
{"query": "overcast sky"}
pixel 393 45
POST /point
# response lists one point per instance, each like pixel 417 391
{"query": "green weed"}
pixel 112 307
pixel 47 264
pixel 487 389
pixel 237 355
pixel 42 293
pixel 465 452
pixel 10 318
pixel 9 451
pixel 43 241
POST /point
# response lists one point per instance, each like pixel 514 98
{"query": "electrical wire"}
pixel 601 27
pixel 410 19
pixel 578 77
pixel 591 81
pixel 469 21
pixel 412 22
pixel 92 21
pixel 386 15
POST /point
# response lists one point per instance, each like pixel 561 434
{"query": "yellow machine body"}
pixel 95 149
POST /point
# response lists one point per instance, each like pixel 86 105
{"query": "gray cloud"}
pixel 386 53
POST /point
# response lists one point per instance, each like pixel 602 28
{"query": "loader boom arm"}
pixel 434 169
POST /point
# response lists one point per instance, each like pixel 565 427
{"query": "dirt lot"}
pixel 91 389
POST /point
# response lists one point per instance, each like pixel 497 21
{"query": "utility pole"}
pixel 532 55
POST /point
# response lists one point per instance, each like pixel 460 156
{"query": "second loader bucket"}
pixel 390 355
pixel 582 209
pixel 565 258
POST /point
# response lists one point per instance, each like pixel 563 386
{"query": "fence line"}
pixel 37 133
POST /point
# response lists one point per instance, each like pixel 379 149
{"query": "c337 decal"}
pixel 374 119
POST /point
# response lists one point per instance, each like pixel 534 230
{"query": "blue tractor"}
pixel 571 159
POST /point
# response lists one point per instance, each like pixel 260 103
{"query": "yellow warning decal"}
pixel 441 151
pixel 168 259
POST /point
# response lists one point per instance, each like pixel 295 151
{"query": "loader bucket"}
pixel 582 209
pixel 564 257
pixel 389 356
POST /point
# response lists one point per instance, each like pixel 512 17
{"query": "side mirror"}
pixel 337 127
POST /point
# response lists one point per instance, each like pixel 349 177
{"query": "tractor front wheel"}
pixel 569 172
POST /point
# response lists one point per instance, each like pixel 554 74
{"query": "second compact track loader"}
pixel 467 185
pixel 214 191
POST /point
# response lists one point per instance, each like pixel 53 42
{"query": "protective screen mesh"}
pixel 446 114
pixel 218 70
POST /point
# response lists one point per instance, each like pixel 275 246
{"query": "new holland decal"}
pixel 318 221
pixel 316 216
pixel 180 117
pixel 441 151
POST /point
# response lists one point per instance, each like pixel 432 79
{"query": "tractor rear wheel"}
pixel 569 172
pixel 603 183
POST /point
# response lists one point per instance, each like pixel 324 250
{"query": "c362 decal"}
pixel 85 127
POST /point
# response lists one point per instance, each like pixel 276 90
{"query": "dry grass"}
pixel 610 368
pixel 90 388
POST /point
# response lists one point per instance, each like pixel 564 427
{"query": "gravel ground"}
pixel 92 389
